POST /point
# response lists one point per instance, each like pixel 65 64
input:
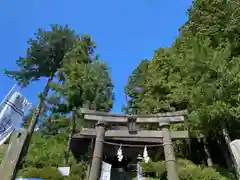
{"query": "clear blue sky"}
pixel 126 31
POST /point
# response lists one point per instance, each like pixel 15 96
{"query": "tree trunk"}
pixel 226 137
pixel 90 157
pixel 207 153
pixel 73 125
pixel 39 108
pixel 225 153
pixel 228 141
pixel 24 149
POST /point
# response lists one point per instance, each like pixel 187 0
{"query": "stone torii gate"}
pixel 104 122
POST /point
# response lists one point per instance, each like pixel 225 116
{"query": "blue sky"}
pixel 126 31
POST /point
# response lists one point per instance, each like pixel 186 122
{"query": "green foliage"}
pixel 157 87
pixel 83 83
pixel 27 119
pixel 212 88
pixel 79 170
pixel 46 150
pixel 45 54
pixel 200 72
pixel 207 20
pixel 158 167
pixel 187 171
pixel 55 124
pixel 46 154
pixel 82 80
pixel 48 173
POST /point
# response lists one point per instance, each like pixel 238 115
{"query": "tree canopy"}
pixel 199 72
pixel 45 54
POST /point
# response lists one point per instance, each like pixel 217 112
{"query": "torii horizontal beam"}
pixel 171 117
pixel 139 134
pixel 99 113
pixel 109 119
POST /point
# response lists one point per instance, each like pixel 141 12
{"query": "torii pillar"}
pixel 170 159
pixel 98 151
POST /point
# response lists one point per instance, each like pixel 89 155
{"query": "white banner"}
pixel 12 114
pixel 106 171
pixel 9 94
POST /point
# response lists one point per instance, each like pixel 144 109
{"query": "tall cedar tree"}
pixel 80 83
pixel 43 59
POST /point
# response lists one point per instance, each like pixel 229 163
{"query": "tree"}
pixel 27 119
pixel 155 86
pixel 207 20
pixel 81 83
pixel 199 72
pixel 55 124
pixel 43 59
pixel 135 89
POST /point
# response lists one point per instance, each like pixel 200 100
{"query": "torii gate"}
pixel 103 129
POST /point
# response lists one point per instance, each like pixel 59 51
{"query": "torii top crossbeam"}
pixel 171 117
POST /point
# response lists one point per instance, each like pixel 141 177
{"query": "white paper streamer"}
pixel 145 155
pixel 119 154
